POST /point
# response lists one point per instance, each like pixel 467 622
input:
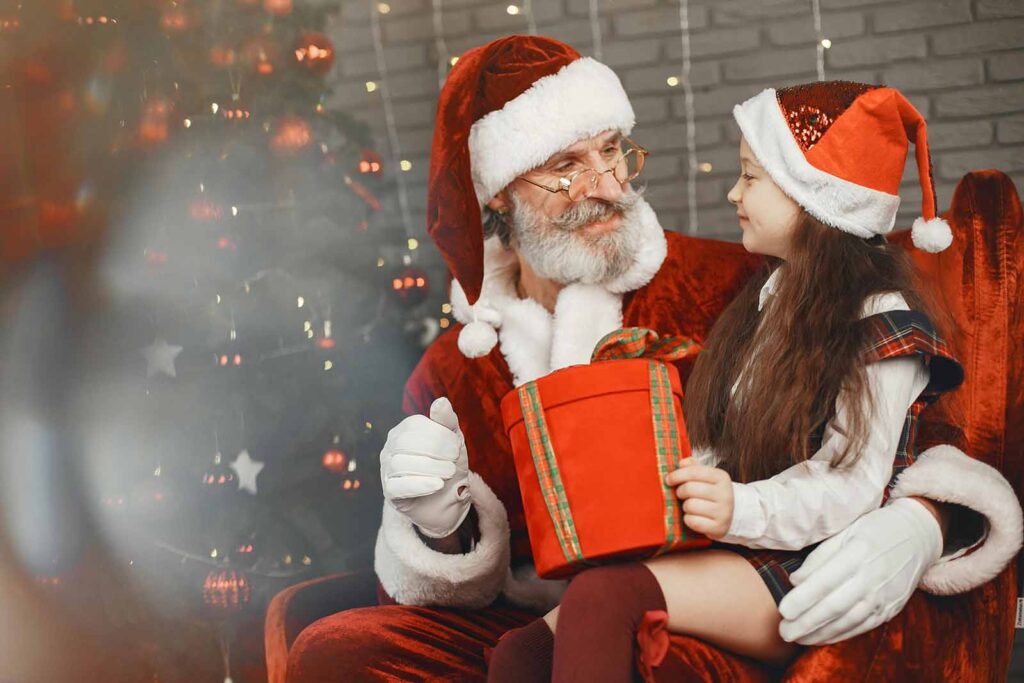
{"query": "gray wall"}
pixel 960 61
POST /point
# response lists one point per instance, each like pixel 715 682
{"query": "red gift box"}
pixel 592 445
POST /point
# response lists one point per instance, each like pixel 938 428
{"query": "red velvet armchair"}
pixel 968 637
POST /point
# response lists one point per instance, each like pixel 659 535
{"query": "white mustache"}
pixel 589 211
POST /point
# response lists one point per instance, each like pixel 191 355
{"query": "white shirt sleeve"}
pixel 811 501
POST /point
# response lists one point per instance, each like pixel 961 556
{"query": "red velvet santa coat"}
pixel 678 286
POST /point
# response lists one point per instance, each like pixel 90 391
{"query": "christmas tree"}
pixel 262 299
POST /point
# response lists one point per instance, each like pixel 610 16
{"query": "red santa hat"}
pixel 838 149
pixel 505 109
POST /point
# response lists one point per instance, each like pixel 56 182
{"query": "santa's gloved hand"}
pixel 861 577
pixel 424 470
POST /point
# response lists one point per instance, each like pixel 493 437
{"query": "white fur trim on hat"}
pixel 582 99
pixel 413 574
pixel 840 203
pixel 947 474
pixel 932 235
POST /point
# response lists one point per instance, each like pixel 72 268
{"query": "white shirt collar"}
pixel 768 288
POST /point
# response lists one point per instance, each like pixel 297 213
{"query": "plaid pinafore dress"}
pixel 894 334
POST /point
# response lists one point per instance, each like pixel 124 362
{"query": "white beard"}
pixel 557 250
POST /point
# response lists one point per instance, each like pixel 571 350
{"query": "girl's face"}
pixel 768 217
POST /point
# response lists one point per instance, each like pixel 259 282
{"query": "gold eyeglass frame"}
pixel 565 181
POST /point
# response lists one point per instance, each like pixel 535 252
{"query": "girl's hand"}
pixel 706 493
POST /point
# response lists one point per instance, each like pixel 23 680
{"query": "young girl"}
pixel 802 407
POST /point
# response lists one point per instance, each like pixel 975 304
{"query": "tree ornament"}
pixel 247 470
pixel 261 55
pixel 160 358
pixel 175 18
pixel 154 122
pixel 314 52
pixel 278 8
pixel 290 135
pixel 220 479
pixel 225 591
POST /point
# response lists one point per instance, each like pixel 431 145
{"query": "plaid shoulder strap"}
pixel 905 333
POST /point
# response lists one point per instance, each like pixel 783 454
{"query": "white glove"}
pixel 424 470
pixel 861 577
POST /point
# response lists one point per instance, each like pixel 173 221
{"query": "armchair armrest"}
pixel 298 606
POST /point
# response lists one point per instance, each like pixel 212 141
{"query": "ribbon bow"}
pixel 640 342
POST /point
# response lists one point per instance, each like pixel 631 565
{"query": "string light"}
pixel 512 10
pixel 394 145
pixel 371 86
pixel 443 60
pixel 446 308
pixel 531 23
pixel 405 165
pixel 672 81
pixel 413 244
pixel 823 43
pixel 383 7
pixel 691 125
pixel 595 31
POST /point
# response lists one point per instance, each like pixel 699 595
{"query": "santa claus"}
pixel 533 205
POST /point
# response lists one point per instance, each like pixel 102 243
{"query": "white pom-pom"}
pixel 932 235
pixel 477 339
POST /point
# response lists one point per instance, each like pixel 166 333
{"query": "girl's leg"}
pixel 523 655
pixel 597 623
pixel 714 595
pixel 717 596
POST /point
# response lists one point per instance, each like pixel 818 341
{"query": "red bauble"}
pixel 290 135
pixel 314 52
pixel 411 285
pixel 175 18
pixel 261 55
pixel 278 8
pixel 203 210
pixel 335 461
pixel 222 56
pixel 225 591
pixel 154 125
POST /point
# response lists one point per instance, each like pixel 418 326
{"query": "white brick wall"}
pixel 960 61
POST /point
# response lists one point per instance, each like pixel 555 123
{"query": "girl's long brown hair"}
pixel 795 366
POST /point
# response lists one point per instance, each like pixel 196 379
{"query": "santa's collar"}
pixel 533 341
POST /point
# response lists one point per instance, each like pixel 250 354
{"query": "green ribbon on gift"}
pixel 632 342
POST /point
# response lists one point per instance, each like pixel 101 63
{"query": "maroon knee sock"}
pixel 597 623
pixel 523 655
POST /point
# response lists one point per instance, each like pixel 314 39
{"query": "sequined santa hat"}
pixel 505 108
pixel 838 149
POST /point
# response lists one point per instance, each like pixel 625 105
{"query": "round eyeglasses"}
pixel 582 183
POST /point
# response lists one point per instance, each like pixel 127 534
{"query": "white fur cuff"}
pixel 947 474
pixel 413 574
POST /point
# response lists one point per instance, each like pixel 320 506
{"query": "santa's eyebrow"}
pixel 570 154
